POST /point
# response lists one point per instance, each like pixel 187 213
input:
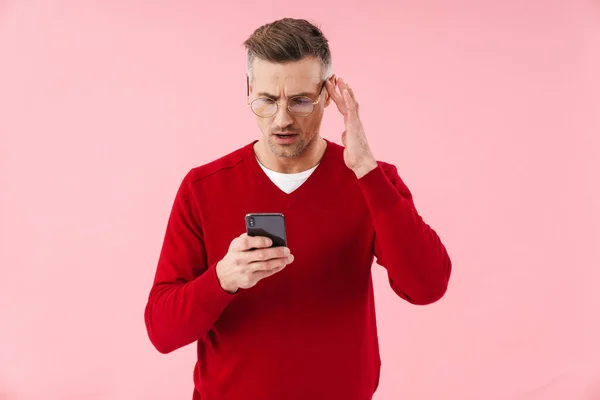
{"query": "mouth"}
pixel 285 138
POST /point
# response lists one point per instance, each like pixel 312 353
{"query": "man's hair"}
pixel 287 40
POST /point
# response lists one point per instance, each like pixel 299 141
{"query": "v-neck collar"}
pixel 270 189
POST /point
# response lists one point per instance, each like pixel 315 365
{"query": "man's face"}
pixel 286 134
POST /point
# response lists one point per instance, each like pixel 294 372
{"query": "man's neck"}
pixel 310 158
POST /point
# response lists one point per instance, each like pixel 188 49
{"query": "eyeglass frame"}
pixel 314 103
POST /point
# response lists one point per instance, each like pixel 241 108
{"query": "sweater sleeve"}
pixel 186 298
pixel 417 262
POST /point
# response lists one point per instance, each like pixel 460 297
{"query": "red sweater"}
pixel 309 331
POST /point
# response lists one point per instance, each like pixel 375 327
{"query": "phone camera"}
pixel 251 221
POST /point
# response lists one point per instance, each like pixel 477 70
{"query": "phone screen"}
pixel 267 225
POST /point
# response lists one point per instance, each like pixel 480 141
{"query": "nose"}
pixel 283 117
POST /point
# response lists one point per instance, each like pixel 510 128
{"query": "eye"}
pixel 300 101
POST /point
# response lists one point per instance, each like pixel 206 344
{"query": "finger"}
pixel 258 275
pixel 332 92
pixel 342 85
pixel 350 104
pixel 352 110
pixel 352 96
pixel 245 242
pixel 338 99
pixel 265 254
pixel 272 264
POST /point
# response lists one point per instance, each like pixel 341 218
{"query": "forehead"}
pixel 291 76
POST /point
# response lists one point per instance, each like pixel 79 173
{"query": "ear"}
pixel 333 80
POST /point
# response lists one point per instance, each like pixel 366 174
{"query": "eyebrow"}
pixel 271 96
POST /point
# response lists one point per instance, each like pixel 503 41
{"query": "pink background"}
pixel 490 110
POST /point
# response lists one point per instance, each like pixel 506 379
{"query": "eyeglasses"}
pixel 300 106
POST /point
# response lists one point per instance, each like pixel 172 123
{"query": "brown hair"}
pixel 288 39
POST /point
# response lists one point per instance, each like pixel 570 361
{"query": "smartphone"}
pixel 271 225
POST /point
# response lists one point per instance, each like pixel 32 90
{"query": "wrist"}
pixel 364 168
pixel 226 286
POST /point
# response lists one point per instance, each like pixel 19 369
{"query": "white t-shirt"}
pixel 288 182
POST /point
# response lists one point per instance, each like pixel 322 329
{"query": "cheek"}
pixel 312 124
pixel 264 124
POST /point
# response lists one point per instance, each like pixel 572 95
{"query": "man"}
pixel 299 322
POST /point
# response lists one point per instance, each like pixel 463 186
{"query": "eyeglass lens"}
pixel 266 107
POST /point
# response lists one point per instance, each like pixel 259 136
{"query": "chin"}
pixel 288 151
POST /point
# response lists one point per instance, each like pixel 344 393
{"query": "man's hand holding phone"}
pixel 250 259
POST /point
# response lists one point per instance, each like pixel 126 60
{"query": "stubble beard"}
pixel 288 151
